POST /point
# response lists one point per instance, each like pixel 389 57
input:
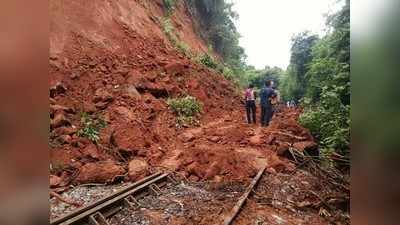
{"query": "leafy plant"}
pixel 184 49
pixel 319 75
pixel 186 109
pixel 169 31
pixel 208 61
pixel 90 127
pixel 169 6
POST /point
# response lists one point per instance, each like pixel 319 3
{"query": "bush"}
pixel 169 31
pixel 184 49
pixel 208 61
pixel 169 6
pixel 186 109
pixel 90 127
pixel 329 122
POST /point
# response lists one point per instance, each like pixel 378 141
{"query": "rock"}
pixel 55 181
pixel 59 120
pixel 138 169
pixel 271 170
pixel 194 178
pixel 102 95
pixel 64 139
pixel 174 68
pixel 74 76
pixel 255 140
pixel 187 137
pixel 125 113
pixel 282 148
pixel 65 131
pixel 132 92
pixel 57 89
pixel 89 107
pixel 92 151
pixel 214 139
pixel 102 105
pixel 142 153
pixel 218 179
pixel 59 108
pixel 212 171
pixel 99 172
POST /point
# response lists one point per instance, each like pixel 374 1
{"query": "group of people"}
pixel 267 96
pixel 290 104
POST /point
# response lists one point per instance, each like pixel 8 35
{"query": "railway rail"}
pixel 98 212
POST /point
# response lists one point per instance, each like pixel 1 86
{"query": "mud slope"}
pixel 110 60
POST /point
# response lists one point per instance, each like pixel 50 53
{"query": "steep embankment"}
pixel 112 69
pixel 111 62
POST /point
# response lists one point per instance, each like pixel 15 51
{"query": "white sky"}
pixel 267 26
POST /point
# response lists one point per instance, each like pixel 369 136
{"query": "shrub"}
pixel 90 127
pixel 208 61
pixel 186 109
pixel 184 49
pixel 169 31
pixel 169 6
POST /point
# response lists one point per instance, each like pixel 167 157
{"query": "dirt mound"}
pixel 113 68
pixel 205 163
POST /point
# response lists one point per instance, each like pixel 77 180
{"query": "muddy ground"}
pixel 111 65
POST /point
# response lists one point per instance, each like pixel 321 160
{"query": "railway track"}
pixel 242 200
pixel 98 212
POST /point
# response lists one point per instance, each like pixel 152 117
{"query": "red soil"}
pixel 112 60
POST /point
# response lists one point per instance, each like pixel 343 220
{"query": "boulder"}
pixel 99 172
pixel 55 181
pixel 102 95
pixel 89 107
pixel 59 120
pixel 187 137
pixel 138 169
pixel 91 151
pixel 64 139
pixel 132 92
pixel 125 113
pixel 65 131
pixel 214 139
pixel 57 89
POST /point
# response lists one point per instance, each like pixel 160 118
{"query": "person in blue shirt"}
pixel 266 93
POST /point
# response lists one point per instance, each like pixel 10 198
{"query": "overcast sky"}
pixel 267 26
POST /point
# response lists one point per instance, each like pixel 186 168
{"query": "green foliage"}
pixel 184 49
pixel 258 77
pixel 90 127
pixel 319 75
pixel 169 31
pixel 169 6
pixel 208 61
pixel 217 25
pixel 186 109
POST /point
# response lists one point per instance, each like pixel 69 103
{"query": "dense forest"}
pixel 318 77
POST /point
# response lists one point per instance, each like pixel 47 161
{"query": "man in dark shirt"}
pixel 266 94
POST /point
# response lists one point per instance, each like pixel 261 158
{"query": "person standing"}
pixel 250 98
pixel 265 103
